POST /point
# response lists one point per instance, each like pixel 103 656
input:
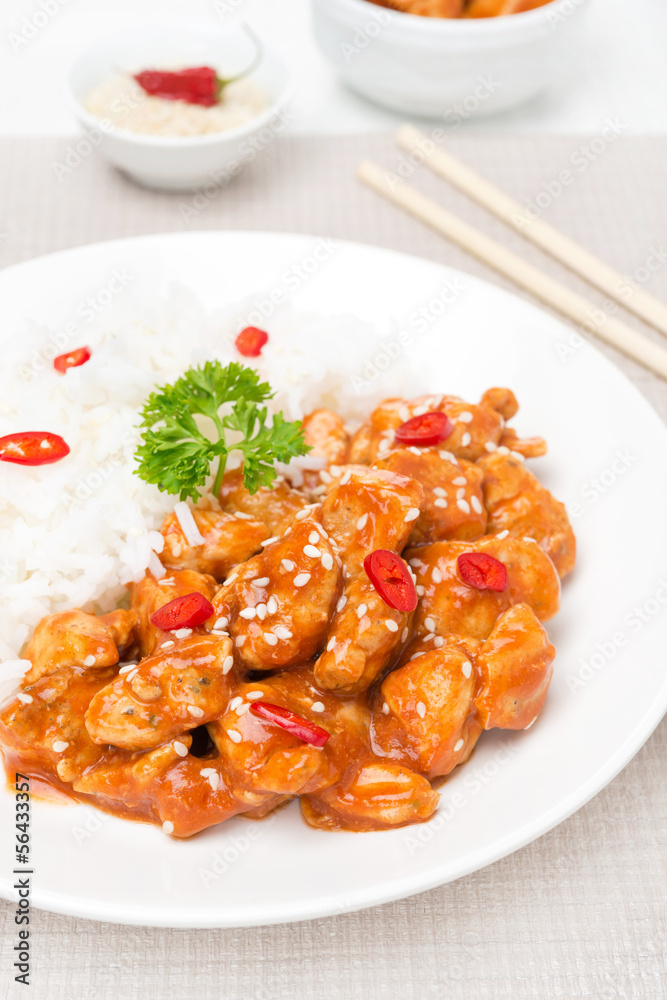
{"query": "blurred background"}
pixel 615 68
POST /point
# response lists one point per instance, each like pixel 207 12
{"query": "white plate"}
pixel 607 452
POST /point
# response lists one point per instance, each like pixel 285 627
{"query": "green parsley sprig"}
pixel 176 455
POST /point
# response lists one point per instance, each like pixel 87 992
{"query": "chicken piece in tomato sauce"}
pixel 228 540
pixel 150 594
pixel 275 507
pixel 517 502
pixel 449 604
pixel 77 639
pixel 279 604
pixel 184 683
pixel 453 503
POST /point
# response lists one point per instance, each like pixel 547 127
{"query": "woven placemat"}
pixel 579 913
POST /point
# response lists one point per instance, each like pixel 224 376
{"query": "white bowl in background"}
pixel 428 66
pixel 180 162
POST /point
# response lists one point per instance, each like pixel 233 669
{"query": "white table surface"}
pixel 619 69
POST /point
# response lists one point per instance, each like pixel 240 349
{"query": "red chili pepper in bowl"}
pixel 33 448
pixel 391 578
pixel 424 430
pixel 187 611
pixel 72 359
pixel 482 571
pixel 199 85
pixel 296 725
pixel 250 341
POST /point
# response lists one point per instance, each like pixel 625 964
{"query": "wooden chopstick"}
pixel 578 309
pixel 626 292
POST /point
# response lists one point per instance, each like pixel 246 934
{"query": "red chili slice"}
pixel 482 571
pixel 426 429
pixel 198 85
pixel 72 359
pixel 33 448
pixel 250 342
pixel 291 723
pixel 391 578
pixel 183 612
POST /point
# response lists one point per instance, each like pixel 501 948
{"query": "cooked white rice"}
pixel 73 534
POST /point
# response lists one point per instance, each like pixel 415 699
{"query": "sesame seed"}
pixel 242 709
pixel 248 613
pixel 531 724
pixel 59 745
pixel 301 579
pixel 214 780
pixel 132 675
pixel 448 457
pixel 460 481
pixel 463 505
pixel 458 746
pixel 385 709
pixel 270 639
pixel 183 633
pixel 287 565
pixel 89 661
pixel 420 590
pixel 331 643
pixel 254 695
pixel 404 634
pixel 517 456
pixel 466 439
pixel 262 611
pixel 195 711
pixel 362 522
pixel 391 625
pixel 287 531
pixel 415 656
pixel 503 450
pixel 234 736
pixel 342 601
pixel 361 610
pixel 167 582
pixel 282 632
pixel 127 667
pixel 475 504
pixel 206 771
pixel 302 513
pixel 460 492
pixel 219 631
pixel 231 578
pixel 527 538
pixel 168 826
pixel 235 702
pixel 440 503
pixel 323 533
pixel 260 581
pixel 421 709
pixel 415 450
pixel 466 668
pixel 228 663
pixel 440 492
pixel 168 644
pixel 412 514
pixel 272 605
pixel 325 476
pixel 438 642
pixel 242 516
pixel 317 706
pixel 313 538
pixel 415 562
pixel 327 560
pixel 465 417
pixel 429 624
pixel 25 698
pixel 312 551
pixel 502 534
pixel 240 639
pixel 180 748
pixel 269 541
pixel 221 623
pixel 334 470
pixel 436 575
pixel 346 478
pixel 431 635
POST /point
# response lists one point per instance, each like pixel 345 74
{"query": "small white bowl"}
pixel 180 163
pixel 445 68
